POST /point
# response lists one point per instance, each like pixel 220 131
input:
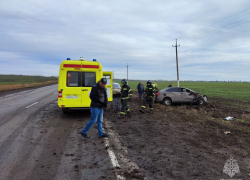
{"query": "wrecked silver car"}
pixel 173 95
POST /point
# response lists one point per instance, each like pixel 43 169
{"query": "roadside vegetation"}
pixel 11 82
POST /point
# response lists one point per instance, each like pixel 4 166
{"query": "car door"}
pixel 174 93
pixel 109 85
pixel 88 80
pixel 185 94
pixel 72 87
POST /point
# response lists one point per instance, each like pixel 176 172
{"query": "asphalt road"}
pixel 37 141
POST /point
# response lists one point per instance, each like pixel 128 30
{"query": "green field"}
pixel 23 79
pixel 239 91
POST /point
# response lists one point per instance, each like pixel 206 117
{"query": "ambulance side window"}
pixel 88 79
pixel 73 79
pixel 108 80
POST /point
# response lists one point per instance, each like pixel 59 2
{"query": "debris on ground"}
pixel 229 118
pixel 227 132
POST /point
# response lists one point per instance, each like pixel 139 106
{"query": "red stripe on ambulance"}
pixel 79 66
pixel 72 66
pixel 91 66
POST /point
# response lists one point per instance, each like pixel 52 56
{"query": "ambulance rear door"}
pixel 72 90
pixel 109 85
pixel 88 80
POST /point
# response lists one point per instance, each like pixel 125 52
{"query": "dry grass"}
pixel 21 86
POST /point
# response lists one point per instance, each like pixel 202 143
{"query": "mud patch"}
pixel 183 141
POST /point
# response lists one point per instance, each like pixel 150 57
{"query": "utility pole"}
pixel 127 72
pixel 177 62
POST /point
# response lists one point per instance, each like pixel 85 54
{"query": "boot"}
pixel 104 136
pixel 128 113
pixel 142 110
pixel 121 116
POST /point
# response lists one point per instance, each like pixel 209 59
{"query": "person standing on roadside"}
pixel 140 89
pixel 126 95
pixel 155 85
pixel 148 97
pixel 170 85
pixel 99 100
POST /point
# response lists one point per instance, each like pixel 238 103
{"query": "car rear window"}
pixel 173 90
pixel 81 79
pixel 116 85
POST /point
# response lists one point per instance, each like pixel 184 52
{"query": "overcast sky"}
pixel 35 36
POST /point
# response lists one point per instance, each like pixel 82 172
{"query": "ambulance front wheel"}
pixel 65 110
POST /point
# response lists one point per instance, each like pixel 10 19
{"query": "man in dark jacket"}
pixel 98 96
pixel 126 95
pixel 140 89
pixel 148 95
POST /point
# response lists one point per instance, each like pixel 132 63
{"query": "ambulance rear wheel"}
pixel 65 110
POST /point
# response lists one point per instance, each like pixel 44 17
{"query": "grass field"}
pixel 239 91
pixel 10 82
pixel 22 79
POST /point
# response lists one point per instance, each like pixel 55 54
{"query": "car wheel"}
pixel 167 101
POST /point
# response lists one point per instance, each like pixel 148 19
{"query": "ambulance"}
pixel 76 78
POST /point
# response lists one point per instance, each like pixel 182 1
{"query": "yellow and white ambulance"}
pixel 76 78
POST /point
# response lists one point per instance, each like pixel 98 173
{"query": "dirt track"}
pixel 185 142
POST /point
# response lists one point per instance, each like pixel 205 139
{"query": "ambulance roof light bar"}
pixel 81 58
pixel 68 59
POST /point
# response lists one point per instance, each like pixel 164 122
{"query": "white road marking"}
pixel 31 104
pixel 55 92
pixel 118 145
pixel 113 159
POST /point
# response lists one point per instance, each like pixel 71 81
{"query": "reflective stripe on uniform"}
pixel 143 106
pixel 125 98
pixel 151 108
pixel 128 110
pixel 122 112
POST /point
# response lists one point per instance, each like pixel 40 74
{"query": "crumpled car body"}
pixel 182 95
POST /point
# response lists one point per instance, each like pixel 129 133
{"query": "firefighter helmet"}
pixel 124 81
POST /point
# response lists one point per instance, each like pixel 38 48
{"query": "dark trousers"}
pixel 148 100
pixel 124 107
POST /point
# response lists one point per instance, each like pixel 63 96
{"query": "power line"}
pixel 215 22
pixel 202 35
pixel 218 30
